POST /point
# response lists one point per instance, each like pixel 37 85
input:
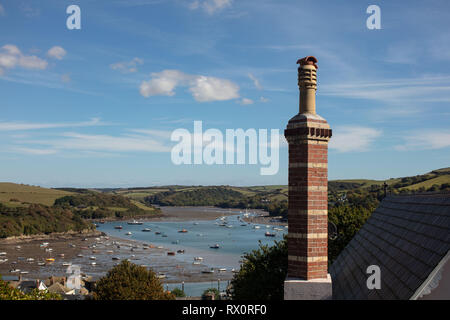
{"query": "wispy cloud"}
pixel 210 6
pixel 353 138
pixel 423 89
pixel 2 11
pixel 246 101
pixel 11 57
pixel 34 151
pixel 23 126
pixel 425 140
pixel 145 141
pixel 56 52
pixel 127 66
pixel 255 81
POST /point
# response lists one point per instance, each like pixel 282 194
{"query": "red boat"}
pixel 118 227
pixel 268 234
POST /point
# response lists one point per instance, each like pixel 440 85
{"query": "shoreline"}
pixel 79 247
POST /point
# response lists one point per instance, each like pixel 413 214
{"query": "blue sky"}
pixel 95 107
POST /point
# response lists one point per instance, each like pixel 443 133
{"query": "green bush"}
pixel 262 273
pixel 128 281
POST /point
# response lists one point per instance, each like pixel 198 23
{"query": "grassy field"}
pixel 16 195
pixel 429 183
pixel 26 194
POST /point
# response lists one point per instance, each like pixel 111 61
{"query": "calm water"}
pixel 234 240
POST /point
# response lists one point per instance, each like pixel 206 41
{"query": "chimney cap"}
pixel 309 60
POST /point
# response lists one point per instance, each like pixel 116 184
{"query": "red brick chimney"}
pixel 307 134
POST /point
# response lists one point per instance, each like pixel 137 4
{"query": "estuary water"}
pixel 233 236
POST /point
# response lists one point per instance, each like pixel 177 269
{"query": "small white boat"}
pixel 41 263
pixel 24 272
pixel 79 255
pixel 256 227
pixel 198 258
pixel 93 263
pixel 66 264
pixel 3 260
pixel 128 233
pixel 196 262
pixel 109 251
pixel 208 271
pixel 30 260
pixel 216 246
pixel 134 222
pixel 115 258
pixel 92 258
pixel 161 275
pixel 14 270
pixel 222 270
pixel 2 253
pixel 146 230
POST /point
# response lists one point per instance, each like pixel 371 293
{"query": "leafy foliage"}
pixel 177 292
pixel 222 197
pixel 209 196
pixel 128 281
pixel 348 220
pixel 95 205
pixel 208 291
pixel 9 293
pixel 262 273
pixel 38 219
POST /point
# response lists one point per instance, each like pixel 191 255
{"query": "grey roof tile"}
pixel 406 236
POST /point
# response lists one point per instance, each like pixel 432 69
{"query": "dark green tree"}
pixel 262 273
pixel 128 281
pixel 177 292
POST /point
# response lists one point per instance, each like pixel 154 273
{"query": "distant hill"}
pixel 32 210
pixel 12 194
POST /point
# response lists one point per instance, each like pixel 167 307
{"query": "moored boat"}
pixel 208 271
pixel 134 222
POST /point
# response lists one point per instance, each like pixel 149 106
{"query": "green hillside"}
pixel 12 194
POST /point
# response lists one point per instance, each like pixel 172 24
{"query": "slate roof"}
pixel 406 236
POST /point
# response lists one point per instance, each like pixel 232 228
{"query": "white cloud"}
pixel 147 141
pixel 11 57
pixel 425 140
pixel 18 126
pixel 213 89
pixel 2 10
pixel 56 52
pixel 66 78
pixel 246 101
pixel 127 66
pixel 263 99
pixel 255 81
pixel 202 88
pixel 353 138
pixel 396 91
pixel 210 6
pixel 35 151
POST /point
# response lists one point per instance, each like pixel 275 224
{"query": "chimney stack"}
pixel 308 134
pixel 307 83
